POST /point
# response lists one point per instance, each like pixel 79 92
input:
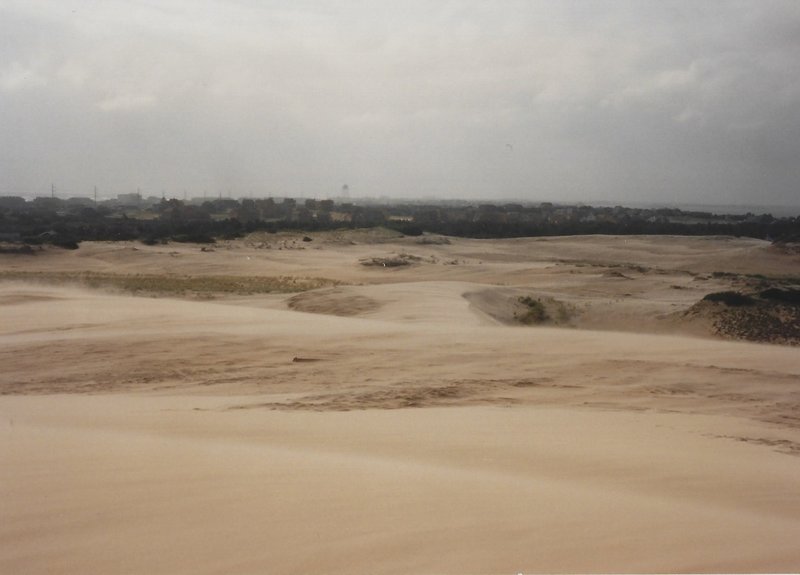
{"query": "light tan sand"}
pixel 398 423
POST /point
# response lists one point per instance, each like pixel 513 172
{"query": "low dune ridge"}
pixel 525 405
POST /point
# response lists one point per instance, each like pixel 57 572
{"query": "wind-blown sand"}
pixel 401 421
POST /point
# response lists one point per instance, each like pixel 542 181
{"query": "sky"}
pixel 572 101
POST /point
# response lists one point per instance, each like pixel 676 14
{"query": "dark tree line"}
pixel 66 223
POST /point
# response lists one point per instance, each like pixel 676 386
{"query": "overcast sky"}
pixel 673 101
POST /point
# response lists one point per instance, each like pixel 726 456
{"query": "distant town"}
pixel 152 219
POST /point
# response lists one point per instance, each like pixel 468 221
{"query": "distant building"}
pixel 80 201
pixel 129 199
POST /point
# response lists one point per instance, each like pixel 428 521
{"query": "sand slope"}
pixel 398 423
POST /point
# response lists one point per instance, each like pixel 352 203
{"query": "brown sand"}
pixel 400 422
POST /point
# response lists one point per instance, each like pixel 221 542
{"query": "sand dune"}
pixel 401 421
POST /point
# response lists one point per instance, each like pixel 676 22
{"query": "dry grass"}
pixel 344 236
pixel 175 285
pixel 543 310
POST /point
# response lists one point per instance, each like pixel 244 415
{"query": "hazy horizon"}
pixel 670 102
pixel 776 210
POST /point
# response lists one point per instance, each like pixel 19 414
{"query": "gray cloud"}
pixel 646 101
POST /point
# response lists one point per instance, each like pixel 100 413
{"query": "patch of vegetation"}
pixel 769 322
pixel 761 277
pixel 537 311
pixel 564 312
pixel 731 298
pixel 771 315
pixel 149 241
pixel 176 285
pixel 534 313
pixel 433 240
pixel 391 262
pixel 66 243
pixel 783 295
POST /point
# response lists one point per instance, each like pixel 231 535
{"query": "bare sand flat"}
pixel 396 418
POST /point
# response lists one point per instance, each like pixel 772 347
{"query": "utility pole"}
pixel 95 195
pixel 52 190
